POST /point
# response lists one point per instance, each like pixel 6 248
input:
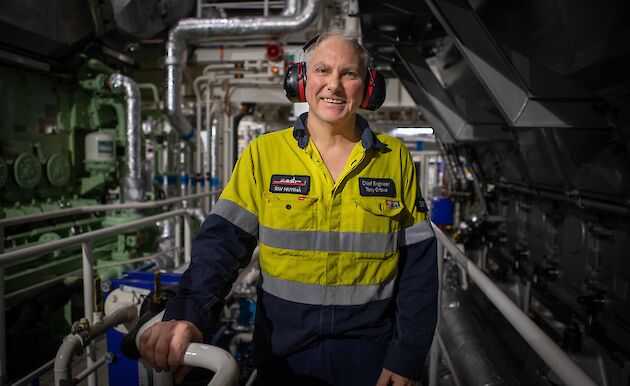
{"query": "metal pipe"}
pixel 290 8
pixel 36 373
pixel 187 239
pixel 120 316
pixel 578 201
pixel 460 334
pixel 83 374
pixel 73 343
pixel 62 369
pixel 51 246
pixel 132 189
pixel 102 208
pixel 252 378
pixel 178 241
pixel 434 357
pixel 557 360
pixel 188 30
pixel 96 268
pixel 205 356
pixel 88 302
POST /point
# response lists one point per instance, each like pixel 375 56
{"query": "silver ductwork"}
pixel 132 187
pixel 188 30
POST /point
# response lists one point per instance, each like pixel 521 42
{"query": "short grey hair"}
pixel 353 39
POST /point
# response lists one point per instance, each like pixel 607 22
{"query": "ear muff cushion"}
pixel 295 82
pixel 374 92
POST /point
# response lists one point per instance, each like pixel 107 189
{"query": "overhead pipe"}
pixel 132 189
pixel 188 30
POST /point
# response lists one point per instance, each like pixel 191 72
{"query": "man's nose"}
pixel 334 83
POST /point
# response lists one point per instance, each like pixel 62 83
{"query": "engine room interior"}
pixel 122 121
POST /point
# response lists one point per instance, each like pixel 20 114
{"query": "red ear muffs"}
pixel 373 93
pixel 295 82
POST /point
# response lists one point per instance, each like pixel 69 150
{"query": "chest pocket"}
pixel 374 215
pixel 290 212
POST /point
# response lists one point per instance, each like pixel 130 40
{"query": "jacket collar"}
pixel 368 138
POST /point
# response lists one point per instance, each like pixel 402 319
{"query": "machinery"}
pixel 121 121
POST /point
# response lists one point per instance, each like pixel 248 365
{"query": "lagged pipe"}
pixel 132 189
pixel 188 30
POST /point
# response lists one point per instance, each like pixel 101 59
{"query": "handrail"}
pixel 102 208
pixel 85 240
pixel 10 257
pixel 557 360
pixel 213 358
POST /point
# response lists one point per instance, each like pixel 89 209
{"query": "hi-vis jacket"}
pixel 354 258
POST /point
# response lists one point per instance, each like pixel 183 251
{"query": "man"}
pixel 348 260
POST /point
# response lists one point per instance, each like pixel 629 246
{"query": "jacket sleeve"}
pixel 224 244
pixel 416 297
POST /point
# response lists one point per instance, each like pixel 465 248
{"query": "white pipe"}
pixel 434 357
pixel 132 189
pixel 187 239
pixel 188 30
pixel 9 257
pixel 83 374
pixel 73 343
pixel 88 302
pixel 102 208
pixel 178 241
pixel 205 356
pixel 62 369
pixel 557 360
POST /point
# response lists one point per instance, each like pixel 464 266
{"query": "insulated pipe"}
pixel 188 30
pixel 557 360
pixel 205 356
pixel 461 335
pixel 73 343
pixel 132 190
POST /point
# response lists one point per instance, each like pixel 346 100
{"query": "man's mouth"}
pixel 334 101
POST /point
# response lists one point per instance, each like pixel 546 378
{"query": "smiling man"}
pixel 348 285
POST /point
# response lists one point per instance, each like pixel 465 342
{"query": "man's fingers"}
pixel 383 380
pixel 148 341
pixel 161 351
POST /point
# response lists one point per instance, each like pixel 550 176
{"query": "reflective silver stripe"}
pixel 327 295
pixel 329 241
pixel 237 215
pixel 417 233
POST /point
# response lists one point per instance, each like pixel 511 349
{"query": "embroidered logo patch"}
pixel 290 184
pixel 377 187
pixel 421 205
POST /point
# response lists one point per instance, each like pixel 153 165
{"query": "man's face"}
pixel 334 87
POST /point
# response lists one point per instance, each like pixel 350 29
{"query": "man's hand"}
pixel 163 346
pixel 388 378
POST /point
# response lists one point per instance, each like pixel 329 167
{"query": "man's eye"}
pixel 321 70
pixel 352 74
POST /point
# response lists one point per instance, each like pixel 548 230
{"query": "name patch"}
pixel 281 183
pixel 377 187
